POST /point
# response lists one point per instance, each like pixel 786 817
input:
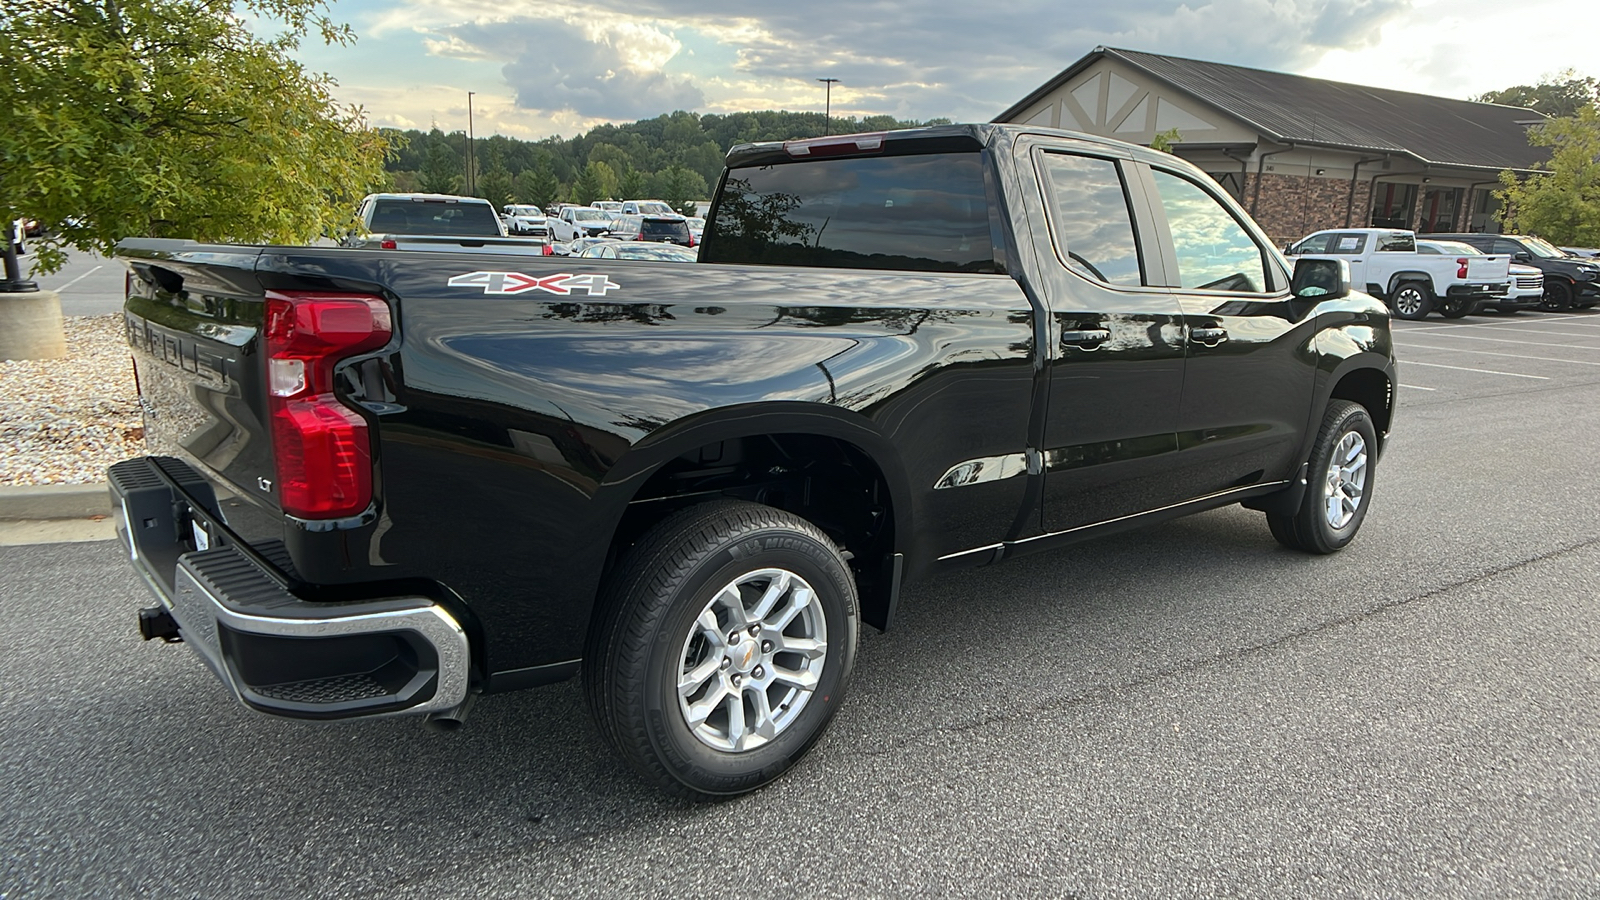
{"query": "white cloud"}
pixel 619 60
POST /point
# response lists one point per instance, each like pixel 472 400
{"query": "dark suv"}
pixel 1569 281
pixel 667 229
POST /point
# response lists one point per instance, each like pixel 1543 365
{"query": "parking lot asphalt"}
pixel 1187 710
pixel 89 284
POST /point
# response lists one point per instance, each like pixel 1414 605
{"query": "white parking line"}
pixel 1412 362
pixel 78 279
pixel 1415 387
pixel 1469 337
pixel 1570 362
pixel 1402 325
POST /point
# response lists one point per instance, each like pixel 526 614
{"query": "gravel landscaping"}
pixel 63 421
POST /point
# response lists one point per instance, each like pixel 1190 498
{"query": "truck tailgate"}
pixel 1488 268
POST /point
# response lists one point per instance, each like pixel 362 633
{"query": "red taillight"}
pixel 323 453
pixel 388 245
pixel 1461 262
pixel 548 250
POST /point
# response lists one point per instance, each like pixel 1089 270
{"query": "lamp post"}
pixel 14 283
pixel 472 176
pixel 827 104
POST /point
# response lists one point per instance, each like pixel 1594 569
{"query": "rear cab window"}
pixel 924 212
pixel 442 217
pixel 1090 219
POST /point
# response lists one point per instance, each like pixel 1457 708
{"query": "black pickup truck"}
pixel 386 482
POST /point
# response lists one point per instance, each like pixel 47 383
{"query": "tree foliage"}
pixel 1557 97
pixel 638 154
pixel 169 118
pixel 1562 204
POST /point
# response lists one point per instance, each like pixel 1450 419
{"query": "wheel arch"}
pixel 863 501
pixel 1402 277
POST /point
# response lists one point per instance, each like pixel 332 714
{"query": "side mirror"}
pixel 1320 279
pixel 1522 256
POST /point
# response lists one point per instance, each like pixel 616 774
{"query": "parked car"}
pixel 1585 252
pixel 526 219
pixel 433 222
pixel 638 250
pixel 1527 283
pixel 672 229
pixel 697 227
pixel 574 248
pixel 580 221
pixel 1569 281
pixel 384 484
pixel 647 208
pixel 612 207
pixel 1386 261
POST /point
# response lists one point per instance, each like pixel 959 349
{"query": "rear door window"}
pixel 1396 243
pixel 1090 219
pixel 924 213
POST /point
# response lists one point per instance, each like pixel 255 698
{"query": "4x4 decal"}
pixel 505 283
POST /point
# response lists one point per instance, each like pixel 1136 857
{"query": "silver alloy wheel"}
pixel 752 660
pixel 1408 301
pixel 1347 479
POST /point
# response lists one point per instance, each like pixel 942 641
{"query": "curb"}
pixel 54 501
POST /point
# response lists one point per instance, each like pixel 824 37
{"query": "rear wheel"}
pixel 1455 307
pixel 1411 300
pixel 1557 296
pixel 1339 483
pixel 727 644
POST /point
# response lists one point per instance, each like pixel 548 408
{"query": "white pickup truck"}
pixel 1385 263
pixel 436 222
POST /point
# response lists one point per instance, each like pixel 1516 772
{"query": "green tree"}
pixel 1165 140
pixel 1557 97
pixel 1562 203
pixel 441 171
pixel 597 182
pixel 495 186
pixel 168 118
pixel 679 188
pixel 633 185
pixel 537 185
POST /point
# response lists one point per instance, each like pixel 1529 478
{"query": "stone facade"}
pixel 1290 207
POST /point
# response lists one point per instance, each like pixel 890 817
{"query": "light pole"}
pixel 472 177
pixel 827 104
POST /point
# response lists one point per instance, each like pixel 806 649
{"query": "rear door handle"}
pixel 1087 338
pixel 1210 337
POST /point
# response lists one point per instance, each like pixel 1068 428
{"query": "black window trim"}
pixel 1275 272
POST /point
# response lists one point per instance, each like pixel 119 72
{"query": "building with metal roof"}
pixel 1300 153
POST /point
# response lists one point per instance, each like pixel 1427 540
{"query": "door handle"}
pixel 1087 338
pixel 1210 337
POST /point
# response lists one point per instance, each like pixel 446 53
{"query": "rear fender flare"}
pixel 667 443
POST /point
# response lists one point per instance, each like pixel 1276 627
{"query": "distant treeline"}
pixel 675 157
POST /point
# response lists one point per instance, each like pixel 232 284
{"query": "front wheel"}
pixel 1339 483
pixel 727 643
pixel 1412 300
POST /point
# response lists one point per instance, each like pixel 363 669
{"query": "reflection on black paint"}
pixel 922 213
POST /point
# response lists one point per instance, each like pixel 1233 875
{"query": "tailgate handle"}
pixel 1210 337
pixel 1087 338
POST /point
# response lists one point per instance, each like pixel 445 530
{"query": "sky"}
pixel 541 68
